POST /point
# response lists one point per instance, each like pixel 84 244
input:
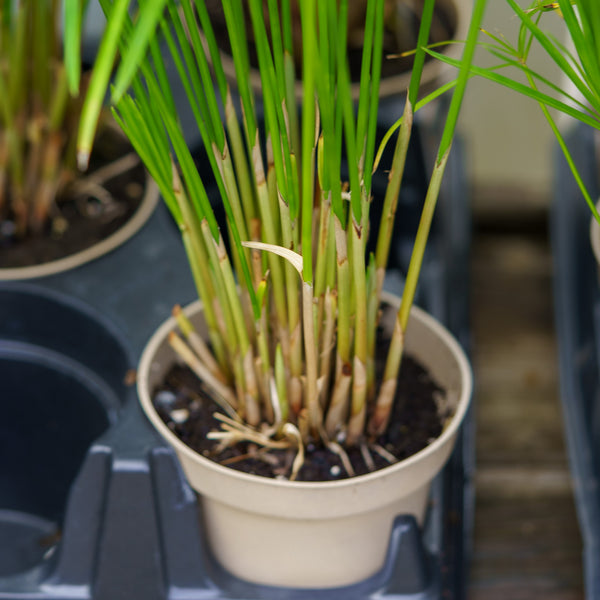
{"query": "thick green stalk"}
pixel 392 194
pixel 117 15
pixel 59 100
pixel 358 411
pixel 198 259
pixel 41 49
pixel 197 343
pixel 294 358
pixel 281 386
pixel 309 122
pixel 73 17
pixel 311 348
pixel 327 346
pixel 18 58
pixel 336 415
pixel 367 114
pixel 240 160
pixel 269 230
pixel 385 399
pixel 227 291
pixel 381 414
pixel 372 318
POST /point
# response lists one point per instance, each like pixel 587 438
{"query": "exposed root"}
pixel 366 455
pixel 93 186
pixel 234 432
pixel 337 449
pixel 388 456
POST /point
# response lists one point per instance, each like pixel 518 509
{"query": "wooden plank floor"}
pixel 526 540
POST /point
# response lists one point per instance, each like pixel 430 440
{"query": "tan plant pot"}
pixel 314 534
pixel 150 198
pixel 119 237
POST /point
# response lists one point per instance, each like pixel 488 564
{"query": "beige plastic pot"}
pixel 314 534
pixel 149 201
pixel 119 237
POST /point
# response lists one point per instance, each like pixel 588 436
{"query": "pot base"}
pixel 407 570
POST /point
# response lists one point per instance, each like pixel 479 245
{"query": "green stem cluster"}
pixel 38 115
pixel 296 340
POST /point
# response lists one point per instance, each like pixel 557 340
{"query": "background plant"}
pixel 576 91
pixel 39 109
pixel 292 350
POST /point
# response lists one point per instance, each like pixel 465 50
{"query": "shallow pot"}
pixel 314 534
pixel 150 197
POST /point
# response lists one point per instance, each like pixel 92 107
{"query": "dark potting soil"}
pixel 78 222
pixel 187 410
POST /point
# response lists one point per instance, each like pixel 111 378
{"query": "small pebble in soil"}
pixel 59 227
pixel 180 415
pixel 335 470
pixel 165 399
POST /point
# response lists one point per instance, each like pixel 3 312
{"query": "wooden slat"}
pixel 527 543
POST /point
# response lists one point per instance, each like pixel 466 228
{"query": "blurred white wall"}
pixel 509 142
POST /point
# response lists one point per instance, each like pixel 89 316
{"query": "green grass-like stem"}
pixel 294 307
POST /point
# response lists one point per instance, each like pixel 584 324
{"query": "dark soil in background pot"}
pixel 80 221
pixel 183 404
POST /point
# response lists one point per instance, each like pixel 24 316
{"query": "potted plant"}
pixel 284 339
pixel 51 218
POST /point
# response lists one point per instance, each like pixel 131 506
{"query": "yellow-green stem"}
pixel 358 410
pixel 390 202
pixel 385 398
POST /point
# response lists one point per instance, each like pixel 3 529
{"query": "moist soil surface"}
pixel 185 407
pixel 80 221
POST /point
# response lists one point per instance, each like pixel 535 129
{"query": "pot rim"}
pixel 450 429
pixel 108 244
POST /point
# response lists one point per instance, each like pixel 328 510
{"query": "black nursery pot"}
pixel 62 384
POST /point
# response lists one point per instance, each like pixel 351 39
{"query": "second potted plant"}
pixel 53 218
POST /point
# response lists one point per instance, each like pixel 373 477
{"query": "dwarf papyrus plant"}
pixel 39 110
pixel 575 90
pixel 292 309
